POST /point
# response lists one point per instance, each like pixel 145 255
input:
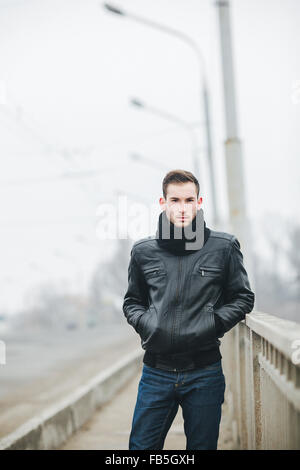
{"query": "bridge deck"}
pixel 109 428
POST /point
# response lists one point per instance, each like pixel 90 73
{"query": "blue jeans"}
pixel 199 392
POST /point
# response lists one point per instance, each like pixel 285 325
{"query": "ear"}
pixel 199 202
pixel 162 202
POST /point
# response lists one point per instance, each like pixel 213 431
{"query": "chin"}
pixel 179 223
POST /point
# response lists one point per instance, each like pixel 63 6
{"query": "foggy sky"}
pixel 68 69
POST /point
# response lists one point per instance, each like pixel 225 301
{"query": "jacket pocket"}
pixel 147 323
pixel 209 271
pixel 213 322
pixel 210 332
pixel 200 330
pixel 154 271
pixel 153 332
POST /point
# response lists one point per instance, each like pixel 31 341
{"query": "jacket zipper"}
pixel 213 270
pixel 152 271
pixel 176 301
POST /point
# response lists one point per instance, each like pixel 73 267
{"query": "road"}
pixel 42 368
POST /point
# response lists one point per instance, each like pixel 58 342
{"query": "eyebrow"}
pixel 190 197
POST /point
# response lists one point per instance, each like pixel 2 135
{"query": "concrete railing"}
pixel 54 425
pixel 261 363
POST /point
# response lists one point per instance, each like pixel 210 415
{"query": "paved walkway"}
pixel 109 428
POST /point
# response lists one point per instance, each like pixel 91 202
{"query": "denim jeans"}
pixel 199 392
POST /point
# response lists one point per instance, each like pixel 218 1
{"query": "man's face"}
pixel 181 203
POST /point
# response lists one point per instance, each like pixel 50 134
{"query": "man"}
pixel 183 294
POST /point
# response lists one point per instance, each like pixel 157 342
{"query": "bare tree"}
pixel 52 308
pixel 278 282
pixel 108 285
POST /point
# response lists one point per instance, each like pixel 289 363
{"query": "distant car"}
pixel 71 325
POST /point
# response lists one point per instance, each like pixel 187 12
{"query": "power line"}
pixel 30 223
pixel 66 176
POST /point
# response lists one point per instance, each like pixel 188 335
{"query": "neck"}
pixel 174 239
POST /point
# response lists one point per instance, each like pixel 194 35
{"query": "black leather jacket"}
pixel 172 301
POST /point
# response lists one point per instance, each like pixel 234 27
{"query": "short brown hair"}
pixel 179 176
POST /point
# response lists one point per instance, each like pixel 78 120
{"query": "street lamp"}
pixel 233 147
pixel 113 9
pixel 205 95
pixel 170 117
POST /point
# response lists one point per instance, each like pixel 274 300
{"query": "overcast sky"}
pixel 67 71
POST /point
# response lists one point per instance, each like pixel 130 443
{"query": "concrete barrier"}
pixel 52 427
pixel 262 369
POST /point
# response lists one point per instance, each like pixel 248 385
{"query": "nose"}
pixel 183 207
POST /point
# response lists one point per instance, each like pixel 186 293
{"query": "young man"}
pixel 183 294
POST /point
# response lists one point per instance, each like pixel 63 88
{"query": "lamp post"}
pixel 204 93
pixel 233 147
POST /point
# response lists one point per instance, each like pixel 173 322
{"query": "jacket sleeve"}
pixel 136 298
pixel 238 296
